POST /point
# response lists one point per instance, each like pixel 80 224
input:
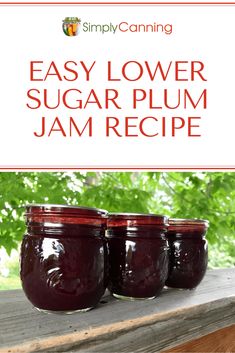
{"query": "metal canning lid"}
pixel 72 20
pixel 136 219
pixel 188 222
pixel 76 211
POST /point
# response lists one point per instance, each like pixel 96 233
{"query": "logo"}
pixel 71 26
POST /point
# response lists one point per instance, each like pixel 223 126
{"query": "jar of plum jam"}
pixel 138 255
pixel 188 252
pixel 64 257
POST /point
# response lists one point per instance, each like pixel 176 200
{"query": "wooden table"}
pixel 175 317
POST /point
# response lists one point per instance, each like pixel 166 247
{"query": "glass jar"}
pixel 188 252
pixel 64 257
pixel 71 26
pixel 138 255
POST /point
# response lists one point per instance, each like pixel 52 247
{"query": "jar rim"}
pixel 65 209
pixel 188 221
pixel 134 215
pixel 136 219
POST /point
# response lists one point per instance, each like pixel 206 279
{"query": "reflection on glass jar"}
pixel 138 255
pixel 188 252
pixel 64 257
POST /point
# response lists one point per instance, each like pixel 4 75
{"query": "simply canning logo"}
pixel 72 26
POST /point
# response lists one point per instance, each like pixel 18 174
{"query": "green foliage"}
pixel 11 280
pixel 7 283
pixel 178 194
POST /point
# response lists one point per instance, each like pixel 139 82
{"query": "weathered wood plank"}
pixel 168 332
pixel 216 342
pixel 120 326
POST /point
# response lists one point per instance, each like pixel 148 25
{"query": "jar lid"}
pixel 65 210
pixel 136 219
pixel 188 222
pixel 72 19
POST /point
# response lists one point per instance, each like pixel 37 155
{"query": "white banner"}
pixel 117 86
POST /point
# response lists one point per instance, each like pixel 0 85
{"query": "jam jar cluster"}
pixel 70 255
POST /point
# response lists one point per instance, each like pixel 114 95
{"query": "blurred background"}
pixel 206 195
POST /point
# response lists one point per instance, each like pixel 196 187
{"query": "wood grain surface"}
pixel 173 318
pixel 219 341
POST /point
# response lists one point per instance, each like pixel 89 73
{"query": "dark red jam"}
pixel 138 255
pixel 188 252
pixel 64 257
